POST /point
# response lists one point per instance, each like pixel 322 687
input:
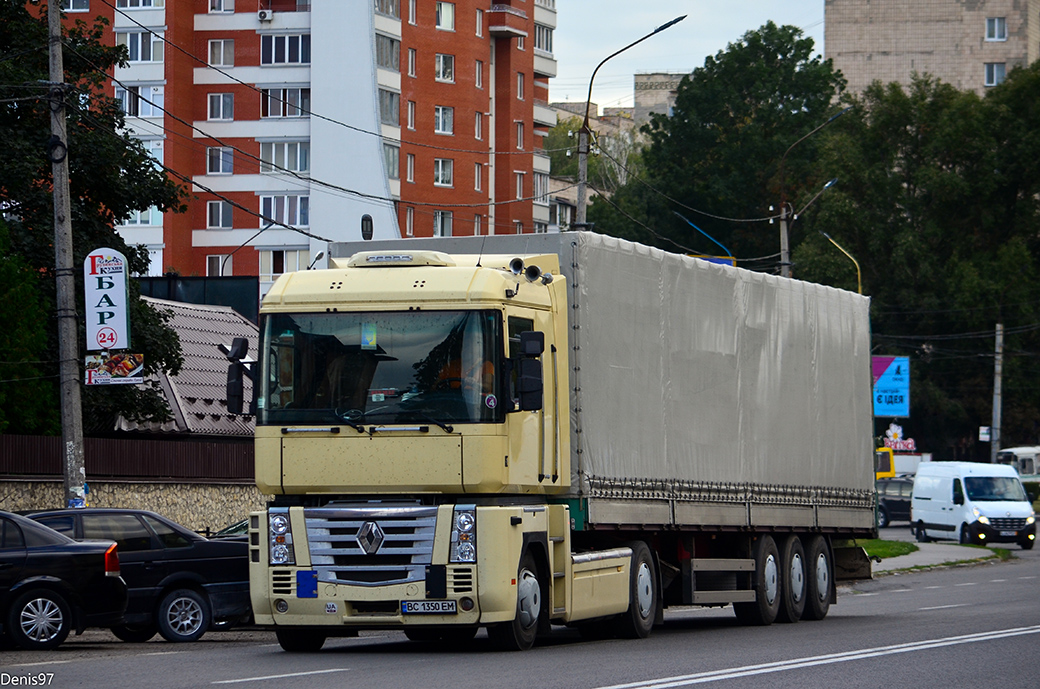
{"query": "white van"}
pixel 975 503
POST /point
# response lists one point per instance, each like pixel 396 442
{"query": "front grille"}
pixel 281 582
pixel 460 579
pixel 1008 524
pixel 402 555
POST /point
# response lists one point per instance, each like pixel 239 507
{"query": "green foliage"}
pixel 111 175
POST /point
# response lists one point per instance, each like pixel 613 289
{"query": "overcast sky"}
pixel 589 30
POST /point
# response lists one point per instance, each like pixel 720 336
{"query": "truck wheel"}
pixel 638 620
pixel 520 633
pixel 820 578
pixel 39 620
pixel 183 616
pixel 793 584
pixel 767 585
pixel 300 640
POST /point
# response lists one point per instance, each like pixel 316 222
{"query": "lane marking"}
pixel 829 659
pixel 933 587
pixel 969 583
pixel 997 581
pixel 291 674
pixel 944 607
pixel 45 662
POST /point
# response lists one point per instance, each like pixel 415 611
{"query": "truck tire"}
pixel 520 633
pixel 820 579
pixel 793 586
pixel 767 584
pixel 39 620
pixel 638 620
pixel 300 640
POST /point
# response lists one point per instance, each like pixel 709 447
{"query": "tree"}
pixel 720 150
pixel 111 176
pixel 613 157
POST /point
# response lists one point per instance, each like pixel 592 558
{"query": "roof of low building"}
pixel 197 395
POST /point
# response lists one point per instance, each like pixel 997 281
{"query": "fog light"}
pixel 281 606
pixel 982 536
pixel 466 604
pixel 1032 537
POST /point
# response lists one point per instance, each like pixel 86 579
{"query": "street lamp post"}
pixel 785 253
pixel 583 133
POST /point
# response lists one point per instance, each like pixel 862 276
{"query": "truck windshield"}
pixel 994 488
pixel 404 367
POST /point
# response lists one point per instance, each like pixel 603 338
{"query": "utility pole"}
pixel 998 372
pixel 74 472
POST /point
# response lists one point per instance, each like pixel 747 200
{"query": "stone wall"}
pixel 196 506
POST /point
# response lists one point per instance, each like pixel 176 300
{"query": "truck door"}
pixel 526 432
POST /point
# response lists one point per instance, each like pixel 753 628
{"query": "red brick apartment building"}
pixel 406 117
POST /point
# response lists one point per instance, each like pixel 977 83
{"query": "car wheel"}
pixel 882 518
pixel 134 635
pixel 183 616
pixel 965 535
pixel 300 640
pixel 1026 544
pixel 39 620
pixel 919 533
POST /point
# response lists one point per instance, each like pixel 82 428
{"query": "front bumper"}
pixel 993 533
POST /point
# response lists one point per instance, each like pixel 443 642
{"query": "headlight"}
pixel 1031 519
pixel 279 524
pixel 464 534
pixel 279 537
pixel 984 520
pixel 280 555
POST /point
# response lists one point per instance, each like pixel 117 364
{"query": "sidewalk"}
pixel 931 554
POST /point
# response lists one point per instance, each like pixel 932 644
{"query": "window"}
pixel 520 43
pixel 126 530
pixel 478 173
pixel 285 50
pixel 389 107
pixel 411 12
pixel 391 8
pixel 219 264
pixel 443 119
pixel 446 16
pixel 442 172
pixel 541 188
pixel 995 72
pixel 409 167
pixel 519 86
pixel 540 228
pixel 478 125
pixel 480 22
pixel 221 106
pixel 141 101
pixel 291 102
pixel 388 52
pixel 290 210
pixel 133 4
pixel 518 227
pixel 287 156
pixel 411 62
pixel 222 52
pixel 219 160
pixel 476 225
pixel 218 215
pixel 445 68
pixel 221 6
pixel 142 46
pixel 479 79
pixel 520 135
pixel 442 223
pixel 411 114
pixel 151 216
pixel 276 263
pixel 392 155
pixel 996 28
pixel 543 38
pixel 409 222
pixel 519 185
pixel 75 5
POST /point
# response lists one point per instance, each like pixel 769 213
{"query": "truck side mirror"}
pixel 529 385
pixel 532 343
pixel 234 388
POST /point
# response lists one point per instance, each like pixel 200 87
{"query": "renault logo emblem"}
pixel 370 537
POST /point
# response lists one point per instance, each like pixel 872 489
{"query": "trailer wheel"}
pixel 820 579
pixel 767 584
pixel 520 633
pixel 793 585
pixel 638 620
pixel 300 640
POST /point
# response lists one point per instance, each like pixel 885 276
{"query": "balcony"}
pixel 285 5
pixel 505 21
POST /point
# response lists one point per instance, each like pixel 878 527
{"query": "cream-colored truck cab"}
pixel 411 418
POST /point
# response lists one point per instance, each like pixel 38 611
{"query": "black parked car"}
pixel 894 500
pixel 50 585
pixel 181 584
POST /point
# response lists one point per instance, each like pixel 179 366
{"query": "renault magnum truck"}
pixel 517 432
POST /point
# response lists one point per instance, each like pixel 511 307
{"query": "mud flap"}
pixel 851 562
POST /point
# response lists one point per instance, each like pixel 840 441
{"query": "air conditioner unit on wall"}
pixel 265 15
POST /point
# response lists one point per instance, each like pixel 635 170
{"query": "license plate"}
pixel 412 607
pixel 1009 533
